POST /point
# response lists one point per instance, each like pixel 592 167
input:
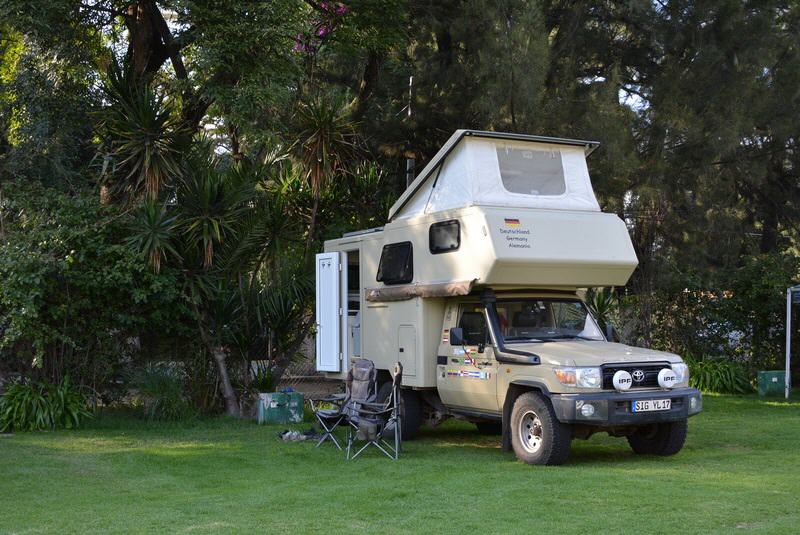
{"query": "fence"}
pixel 302 376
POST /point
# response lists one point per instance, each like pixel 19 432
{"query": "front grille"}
pixel 650 374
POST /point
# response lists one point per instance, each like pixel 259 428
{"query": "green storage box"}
pixel 273 408
pixel 295 407
pixel 771 383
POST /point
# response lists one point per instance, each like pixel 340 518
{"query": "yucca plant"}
pixel 603 304
pixel 325 141
pixel 263 380
pixel 142 137
pixel 152 233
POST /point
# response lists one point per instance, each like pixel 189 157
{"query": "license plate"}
pixel 650 405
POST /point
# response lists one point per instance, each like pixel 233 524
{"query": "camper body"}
pixel 474 286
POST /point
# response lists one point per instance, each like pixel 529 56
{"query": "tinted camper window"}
pixel 397 264
pixel 444 236
pixel 531 171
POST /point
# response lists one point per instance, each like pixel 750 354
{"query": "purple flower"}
pixel 299 45
pixel 340 9
pixel 323 30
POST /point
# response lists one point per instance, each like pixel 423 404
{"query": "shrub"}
pixel 263 380
pixel 74 300
pixel 718 375
pixel 161 392
pixel 739 312
pixel 31 405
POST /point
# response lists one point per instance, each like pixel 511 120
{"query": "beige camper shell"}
pixel 506 239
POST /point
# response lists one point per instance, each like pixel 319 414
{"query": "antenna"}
pixel 411 163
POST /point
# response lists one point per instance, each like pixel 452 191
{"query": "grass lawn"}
pixel 739 471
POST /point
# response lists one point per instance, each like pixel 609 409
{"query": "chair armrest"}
pixel 371 405
pixel 376 411
pixel 336 399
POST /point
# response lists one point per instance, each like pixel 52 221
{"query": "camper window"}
pixel 397 264
pixel 530 171
pixel 444 237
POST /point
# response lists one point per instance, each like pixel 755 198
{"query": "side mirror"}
pixel 456 336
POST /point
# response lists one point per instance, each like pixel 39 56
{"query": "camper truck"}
pixel 474 285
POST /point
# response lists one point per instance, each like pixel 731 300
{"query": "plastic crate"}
pixel 295 407
pixel 771 383
pixel 273 408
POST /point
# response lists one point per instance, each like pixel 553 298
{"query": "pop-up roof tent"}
pixel 502 170
pixel 517 211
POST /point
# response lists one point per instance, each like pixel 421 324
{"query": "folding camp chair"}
pixel 362 387
pixel 377 421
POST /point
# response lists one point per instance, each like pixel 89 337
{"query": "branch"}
pixel 172 50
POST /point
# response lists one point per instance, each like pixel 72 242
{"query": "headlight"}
pixel 682 374
pixel 580 377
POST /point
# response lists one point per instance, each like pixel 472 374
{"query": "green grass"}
pixel 739 471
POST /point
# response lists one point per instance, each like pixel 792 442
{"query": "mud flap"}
pixel 506 427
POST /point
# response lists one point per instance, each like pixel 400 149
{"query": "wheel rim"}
pixel 530 432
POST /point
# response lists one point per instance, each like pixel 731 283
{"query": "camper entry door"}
pixel 469 378
pixel 331 271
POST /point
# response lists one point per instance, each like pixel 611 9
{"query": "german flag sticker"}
pixel 512 222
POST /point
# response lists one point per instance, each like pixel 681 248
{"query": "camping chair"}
pixel 377 421
pixel 362 386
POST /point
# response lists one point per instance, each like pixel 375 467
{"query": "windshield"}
pixel 526 320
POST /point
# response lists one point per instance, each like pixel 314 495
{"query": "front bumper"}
pixel 615 408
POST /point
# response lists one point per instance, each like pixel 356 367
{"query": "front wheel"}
pixel 536 434
pixel 659 439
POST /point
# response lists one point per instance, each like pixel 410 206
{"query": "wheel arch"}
pixel 515 389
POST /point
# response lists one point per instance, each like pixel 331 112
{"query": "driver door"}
pixel 469 378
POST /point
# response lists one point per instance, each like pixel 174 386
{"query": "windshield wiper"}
pixel 571 337
pixel 521 339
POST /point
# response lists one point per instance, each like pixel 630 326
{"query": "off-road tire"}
pixel 489 428
pixel 410 409
pixel 659 439
pixel 545 440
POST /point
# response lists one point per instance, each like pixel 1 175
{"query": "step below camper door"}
pixel 331 316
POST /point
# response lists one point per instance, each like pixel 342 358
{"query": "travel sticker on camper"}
pixel 517 236
pixel 469 375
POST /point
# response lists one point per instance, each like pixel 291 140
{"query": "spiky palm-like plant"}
pixel 325 142
pixel 142 138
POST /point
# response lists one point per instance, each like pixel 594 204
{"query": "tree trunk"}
pixel 146 50
pixel 367 85
pixel 219 354
pixel 228 394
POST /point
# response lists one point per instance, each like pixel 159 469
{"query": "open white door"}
pixel 331 278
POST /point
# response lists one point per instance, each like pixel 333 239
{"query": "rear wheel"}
pixel 410 409
pixel 659 439
pixel 536 434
